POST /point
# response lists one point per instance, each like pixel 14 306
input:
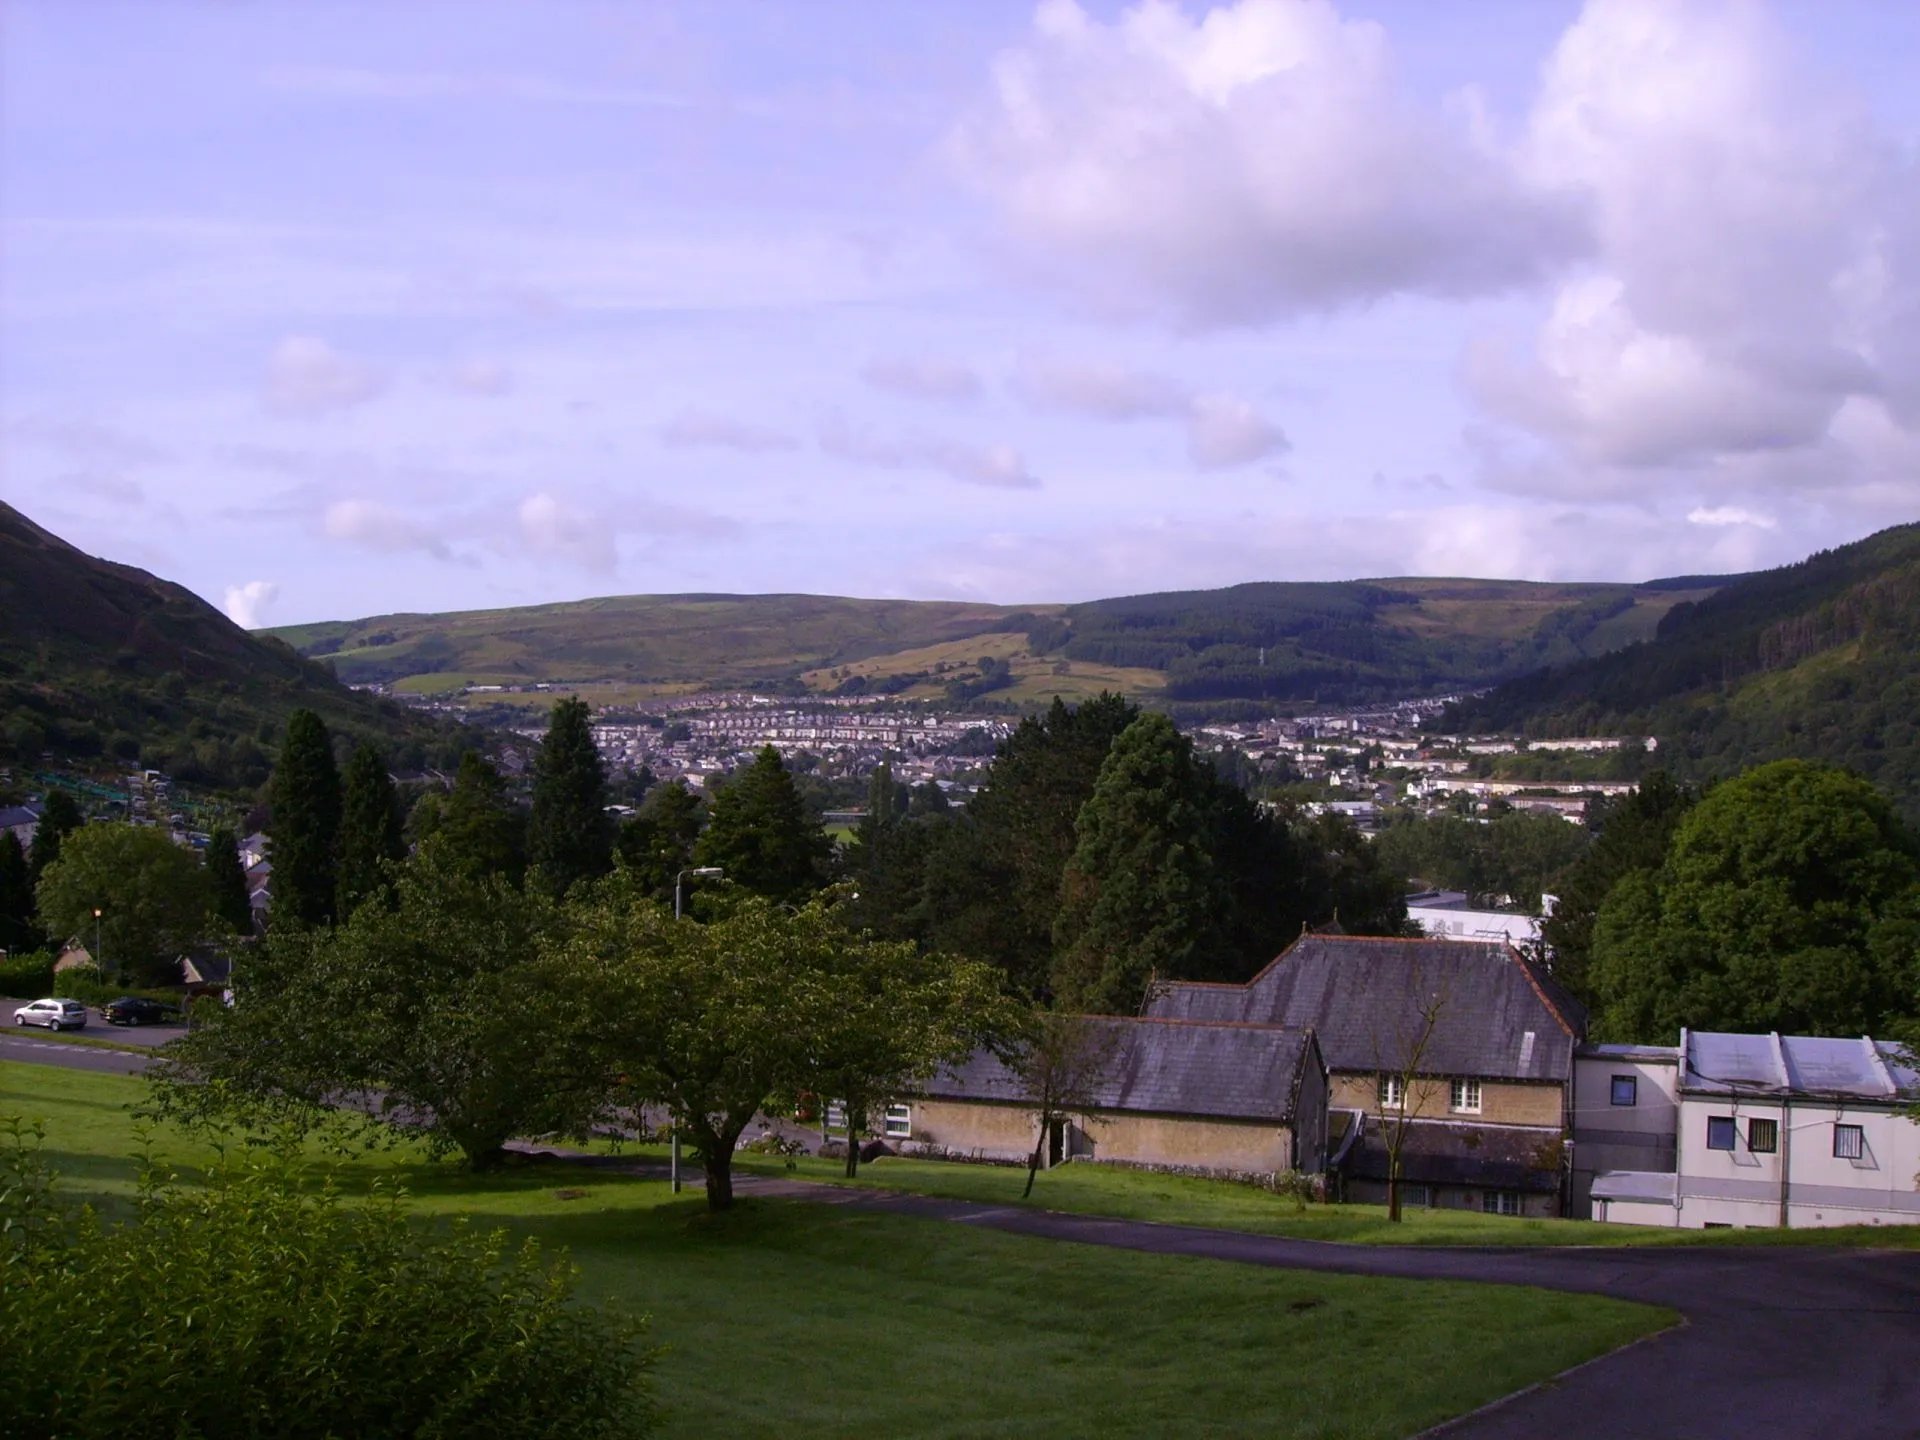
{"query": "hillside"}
pixel 1261 644
pixel 103 662
pixel 1819 660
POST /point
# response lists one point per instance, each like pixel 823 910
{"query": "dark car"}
pixel 135 1010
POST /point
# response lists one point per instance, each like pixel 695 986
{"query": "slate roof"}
pixel 1168 1067
pixel 1719 1063
pixel 1365 998
pixel 1501 1157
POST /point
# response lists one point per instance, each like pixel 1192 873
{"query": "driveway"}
pixel 1779 1342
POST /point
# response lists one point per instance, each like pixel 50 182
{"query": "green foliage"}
pixel 152 895
pixel 1518 855
pixel 88 985
pixel 569 834
pixel 657 843
pixel 255 1307
pixel 760 833
pixel 370 840
pixel 304 825
pixel 28 975
pixel 17 928
pixel 1141 896
pixel 227 883
pixel 474 827
pixel 1789 900
pixel 60 817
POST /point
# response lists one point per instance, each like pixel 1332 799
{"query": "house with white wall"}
pixel 1766 1130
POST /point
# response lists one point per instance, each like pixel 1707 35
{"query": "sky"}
pixel 329 309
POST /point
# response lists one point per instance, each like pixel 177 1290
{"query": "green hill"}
pixel 1819 660
pixel 1261 645
pixel 102 662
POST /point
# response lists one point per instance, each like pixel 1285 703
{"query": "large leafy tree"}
pixel 151 895
pixel 59 817
pixel 303 799
pixel 370 830
pixel 437 1006
pixel 657 844
pixel 760 833
pixel 227 883
pixel 1789 900
pixel 569 834
pixel 1141 896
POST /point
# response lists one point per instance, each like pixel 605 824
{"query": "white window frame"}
pixel 899 1122
pixel 1416 1194
pixel 1500 1202
pixel 1466 1096
pixel 1392 1092
pixel 1849 1142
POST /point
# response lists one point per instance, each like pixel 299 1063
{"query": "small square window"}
pixel 1626 1089
pixel 1721 1132
pixel 1419 1197
pixel 1849 1142
pixel 1763 1136
pixel 1466 1096
pixel 900 1122
pixel 1393 1092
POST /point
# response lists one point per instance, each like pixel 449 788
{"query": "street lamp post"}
pixel 96 942
pixel 698 872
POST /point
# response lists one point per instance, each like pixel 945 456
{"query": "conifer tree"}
pixel 303 799
pixel 569 834
pixel 761 834
pixel 18 933
pixel 370 838
pixel 657 844
pixel 59 817
pixel 227 883
pixel 474 828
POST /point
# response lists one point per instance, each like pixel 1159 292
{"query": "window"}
pixel 1849 1142
pixel 900 1122
pixel 1466 1096
pixel 1763 1136
pixel 1393 1092
pixel 1721 1132
pixel 836 1115
pixel 1626 1089
pixel 1500 1202
pixel 1418 1196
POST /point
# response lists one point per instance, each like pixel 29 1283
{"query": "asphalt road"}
pixel 35 1048
pixel 148 1035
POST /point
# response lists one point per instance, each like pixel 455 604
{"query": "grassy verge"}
pixel 1177 1200
pixel 792 1319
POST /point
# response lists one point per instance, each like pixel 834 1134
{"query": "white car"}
pixel 54 1014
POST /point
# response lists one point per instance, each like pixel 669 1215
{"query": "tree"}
pixel 59 817
pixel 1789 900
pixel 304 823
pixel 1060 1065
pixel 569 834
pixel 227 883
pixel 1141 896
pixel 657 844
pixel 1402 1036
pixel 151 895
pixel 474 826
pixel 18 933
pixel 436 1009
pixel 759 832
pixel 370 841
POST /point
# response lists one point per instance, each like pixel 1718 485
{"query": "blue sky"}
pixel 327 309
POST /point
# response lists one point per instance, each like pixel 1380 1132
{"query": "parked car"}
pixel 135 1010
pixel 53 1014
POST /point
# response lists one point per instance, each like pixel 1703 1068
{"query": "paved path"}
pixel 31 1046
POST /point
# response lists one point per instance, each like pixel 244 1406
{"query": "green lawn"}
pixel 787 1319
pixel 1176 1200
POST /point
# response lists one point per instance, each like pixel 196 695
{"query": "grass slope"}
pixel 100 661
pixel 789 1319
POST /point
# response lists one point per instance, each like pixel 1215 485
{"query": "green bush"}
pixel 85 984
pixel 28 976
pixel 252 1308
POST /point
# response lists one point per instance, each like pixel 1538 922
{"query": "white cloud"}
pixel 554 529
pixel 923 379
pixel 1723 515
pixel 306 376
pixel 247 604
pixel 1254 163
pixel 479 376
pixel 704 429
pixel 384 528
pixel 996 467
pixel 1224 431
pixel 1099 388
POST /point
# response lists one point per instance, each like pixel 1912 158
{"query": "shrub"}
pixel 251 1308
pixel 29 976
pixel 86 984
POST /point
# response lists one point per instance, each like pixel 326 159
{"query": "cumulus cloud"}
pixel 1256 162
pixel 383 528
pixel 307 376
pixel 692 429
pixel 1721 516
pixel 1222 430
pixel 482 377
pixel 996 467
pixel 923 379
pixel 555 529
pixel 247 604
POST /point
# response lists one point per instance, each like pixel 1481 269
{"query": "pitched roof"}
pixel 1168 1067
pixel 1500 1015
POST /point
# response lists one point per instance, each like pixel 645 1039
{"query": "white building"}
pixel 1747 1130
pixel 1444 914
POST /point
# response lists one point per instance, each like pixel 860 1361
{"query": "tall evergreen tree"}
pixel 761 834
pixel 657 844
pixel 59 817
pixel 370 838
pixel 227 883
pixel 475 827
pixel 303 799
pixel 1141 895
pixel 569 834
pixel 18 933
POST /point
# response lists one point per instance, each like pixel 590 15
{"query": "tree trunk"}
pixel 853 1154
pixel 1033 1165
pixel 718 1163
pixel 1393 1187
